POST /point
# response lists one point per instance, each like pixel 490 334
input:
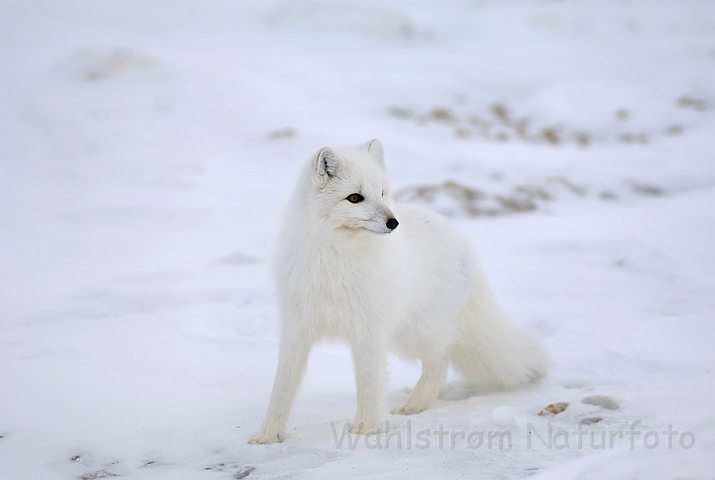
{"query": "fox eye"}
pixel 355 198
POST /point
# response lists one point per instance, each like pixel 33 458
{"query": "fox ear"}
pixel 325 165
pixel 374 148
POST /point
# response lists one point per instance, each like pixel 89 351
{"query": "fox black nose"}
pixel 392 223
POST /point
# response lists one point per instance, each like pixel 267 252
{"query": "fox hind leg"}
pixel 434 373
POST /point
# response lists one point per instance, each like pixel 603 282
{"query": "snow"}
pixel 148 149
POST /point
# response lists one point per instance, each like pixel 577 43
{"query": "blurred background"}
pixel 147 149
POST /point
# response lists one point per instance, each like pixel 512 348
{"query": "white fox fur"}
pixel 342 273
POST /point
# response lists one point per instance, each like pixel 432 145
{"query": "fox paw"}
pixel 409 409
pixel 363 428
pixel 265 438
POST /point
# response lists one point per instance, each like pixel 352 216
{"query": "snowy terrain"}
pixel 147 150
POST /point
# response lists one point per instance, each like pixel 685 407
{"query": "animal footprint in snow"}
pixel 553 409
pixel 241 470
pixel 602 401
pixel 98 474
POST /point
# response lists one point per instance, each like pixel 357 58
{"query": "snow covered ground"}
pixel 147 150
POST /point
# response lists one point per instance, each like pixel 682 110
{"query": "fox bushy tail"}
pixel 493 353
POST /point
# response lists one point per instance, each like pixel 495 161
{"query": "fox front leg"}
pixel 292 360
pixel 370 358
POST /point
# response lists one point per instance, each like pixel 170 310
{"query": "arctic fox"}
pixel 356 266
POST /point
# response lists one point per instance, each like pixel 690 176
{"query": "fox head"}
pixel 351 191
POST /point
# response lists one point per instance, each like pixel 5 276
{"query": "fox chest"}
pixel 337 297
